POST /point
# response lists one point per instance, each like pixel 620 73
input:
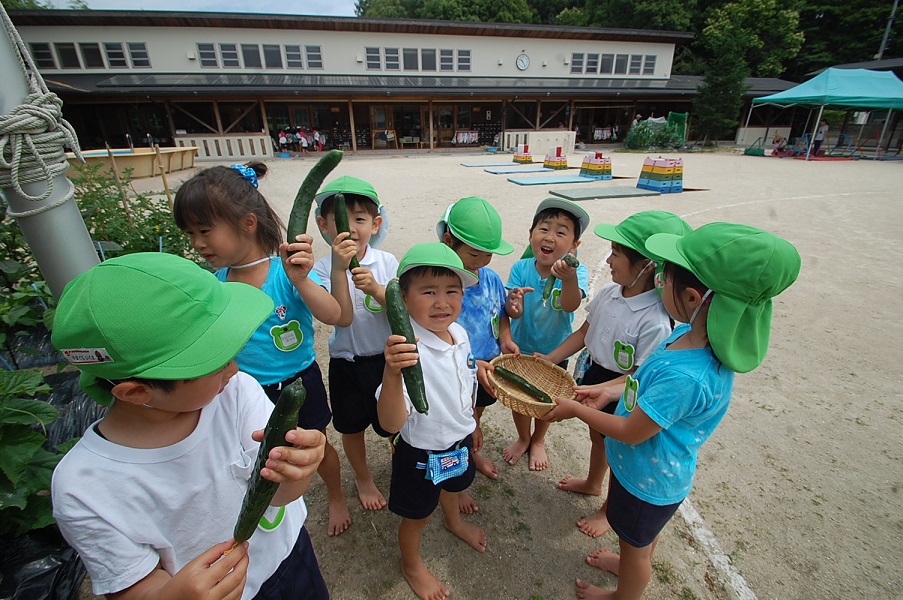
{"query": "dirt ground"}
pixel 798 493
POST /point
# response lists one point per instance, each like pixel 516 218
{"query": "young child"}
pixel 473 229
pixel 719 281
pixel 535 328
pixel 231 225
pixel 625 322
pixel 150 494
pixel 356 359
pixel 432 279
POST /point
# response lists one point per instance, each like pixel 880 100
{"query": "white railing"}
pixel 240 147
pixel 540 141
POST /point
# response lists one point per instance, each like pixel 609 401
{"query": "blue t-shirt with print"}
pixel 686 392
pixel 483 307
pixel 541 328
pixel 284 344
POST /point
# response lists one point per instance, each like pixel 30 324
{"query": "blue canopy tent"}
pixel 842 88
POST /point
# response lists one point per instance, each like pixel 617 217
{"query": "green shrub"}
pixel 645 136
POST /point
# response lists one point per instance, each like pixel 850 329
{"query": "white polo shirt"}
pixel 624 331
pixel 450 379
pixel 366 336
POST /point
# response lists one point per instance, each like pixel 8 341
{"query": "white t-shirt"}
pixel 126 509
pixel 450 379
pixel 367 334
pixel 624 331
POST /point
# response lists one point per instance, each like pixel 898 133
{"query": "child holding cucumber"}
pixel 473 229
pixel 430 462
pixel 718 281
pixel 539 325
pixel 151 493
pixel 625 322
pixel 356 359
pixel 232 226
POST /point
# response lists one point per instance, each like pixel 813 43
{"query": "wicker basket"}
pixel 550 378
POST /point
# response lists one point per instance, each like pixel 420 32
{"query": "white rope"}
pixel 33 135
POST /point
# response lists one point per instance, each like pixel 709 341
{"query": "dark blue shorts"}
pixel 483 397
pixel 352 392
pixel 315 411
pixel 298 576
pixel 411 494
pixel 596 373
pixel 635 521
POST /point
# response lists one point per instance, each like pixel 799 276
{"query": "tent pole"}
pixel 748 117
pixel 878 150
pixel 814 129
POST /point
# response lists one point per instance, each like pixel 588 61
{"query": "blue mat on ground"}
pixel 495 163
pixel 615 191
pixel 538 168
pixel 554 179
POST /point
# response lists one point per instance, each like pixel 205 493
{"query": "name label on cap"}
pixel 87 356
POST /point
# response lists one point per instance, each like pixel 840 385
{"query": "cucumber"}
pixel 400 323
pixel 341 222
pixel 261 491
pixel 523 384
pixel 304 199
pixel 550 282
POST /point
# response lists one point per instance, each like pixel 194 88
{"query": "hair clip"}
pixel 247 172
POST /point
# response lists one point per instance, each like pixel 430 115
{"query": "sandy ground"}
pixel 798 493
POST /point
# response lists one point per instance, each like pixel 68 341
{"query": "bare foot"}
pixel 339 517
pixel 512 453
pixel 594 525
pixel 471 534
pixel 466 504
pixel 371 498
pixel 539 460
pixel 591 592
pixel 424 583
pixel 578 486
pixel 604 559
pixel 486 466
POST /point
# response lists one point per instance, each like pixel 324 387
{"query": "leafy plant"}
pixel 645 135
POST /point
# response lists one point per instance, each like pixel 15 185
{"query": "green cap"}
pixel 635 229
pixel 352 186
pixel 435 254
pixel 745 268
pixel 476 223
pixel 154 316
pixel 567 206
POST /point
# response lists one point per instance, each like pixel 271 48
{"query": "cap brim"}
pixel 376 239
pixel 739 332
pixel 502 249
pixel 609 232
pixel 567 206
pixel 664 246
pixel 467 278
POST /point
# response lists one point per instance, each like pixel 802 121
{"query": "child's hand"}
pixel 596 396
pixel 297 461
pixel 298 265
pixel 509 347
pixel 363 279
pixel 343 250
pixel 542 356
pixel 400 354
pixel 515 302
pixel 563 271
pixel 483 368
pixel 214 575
pixel 565 408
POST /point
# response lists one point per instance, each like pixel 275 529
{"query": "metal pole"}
pixel 814 130
pixel 878 149
pixel 890 22
pixel 57 237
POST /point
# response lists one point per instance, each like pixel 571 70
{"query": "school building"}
pixel 229 83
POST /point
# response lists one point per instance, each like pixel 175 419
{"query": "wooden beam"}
pixel 180 109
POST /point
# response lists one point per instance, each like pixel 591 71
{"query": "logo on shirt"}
pixel 624 355
pixel 494 322
pixel 555 299
pixel 471 361
pixel 287 337
pixel 371 304
pixel 281 311
pixel 631 388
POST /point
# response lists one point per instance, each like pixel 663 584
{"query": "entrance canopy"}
pixel 844 88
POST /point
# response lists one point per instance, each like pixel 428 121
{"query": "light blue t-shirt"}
pixel 541 328
pixel 687 393
pixel 284 344
pixel 484 306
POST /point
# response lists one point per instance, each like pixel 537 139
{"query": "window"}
pixel 115 55
pixel 229 54
pixel 410 56
pixel 392 63
pixel 91 56
pixel 621 64
pixel 636 64
pixel 464 60
pixel 428 60
pixel 272 54
pixel 577 62
pixel 67 55
pixel 607 65
pixel 446 60
pixel 592 63
pixel 207 56
pixel 42 55
pixel 374 63
pixel 314 57
pixel 293 57
pixel 250 54
pixel 138 55
pixel 649 65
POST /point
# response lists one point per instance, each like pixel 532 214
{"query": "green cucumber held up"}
pixel 260 491
pixel 304 199
pixel 400 323
pixel 341 222
pixel 550 282
pixel 523 384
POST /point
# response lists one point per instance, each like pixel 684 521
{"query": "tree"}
pixel 659 15
pixel 487 11
pixel 716 106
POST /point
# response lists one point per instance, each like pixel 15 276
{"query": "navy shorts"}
pixel 298 576
pixel 483 397
pixel 596 373
pixel 635 521
pixel 352 391
pixel 315 412
pixel 411 494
